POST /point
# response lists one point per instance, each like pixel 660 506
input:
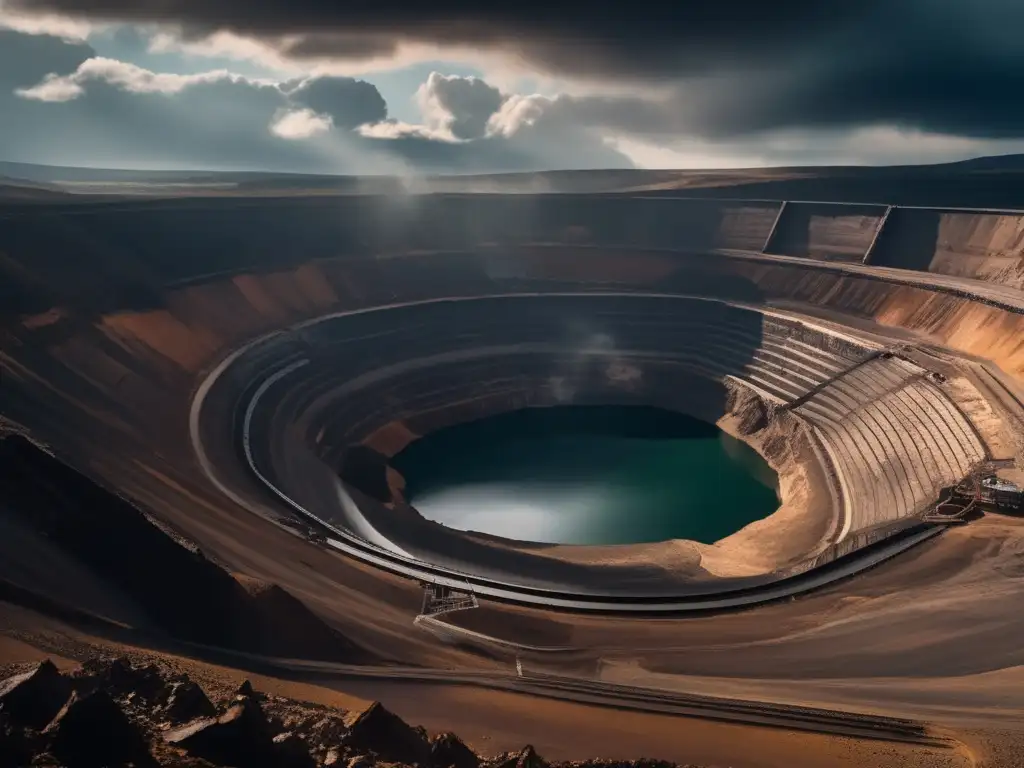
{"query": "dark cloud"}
pixel 349 102
pixel 336 45
pixel 461 105
pixel 733 67
pixel 642 35
pixel 61 105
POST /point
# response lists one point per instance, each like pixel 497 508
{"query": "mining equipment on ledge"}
pixel 1006 496
pixel 980 489
pixel 439 598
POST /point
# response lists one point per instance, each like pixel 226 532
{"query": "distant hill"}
pixel 998 163
pixel 59 173
pixel 984 182
pixel 20 189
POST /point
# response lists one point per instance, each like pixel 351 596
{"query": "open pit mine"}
pixel 238 374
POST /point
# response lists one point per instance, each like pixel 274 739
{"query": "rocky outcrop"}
pixel 527 757
pixel 187 701
pixel 383 733
pixel 92 731
pixel 240 737
pixel 120 678
pixel 113 713
pixel 33 698
pixel 449 751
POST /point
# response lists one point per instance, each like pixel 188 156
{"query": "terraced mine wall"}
pixel 826 231
pixel 976 244
pixel 107 257
pixel 138 279
pixel 114 358
pixel 894 436
pixel 286 259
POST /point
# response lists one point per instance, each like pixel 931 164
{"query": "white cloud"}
pixel 127 77
pixel 46 24
pixel 299 124
pixel 396 129
pixel 517 112
pixel 225 45
pixel 52 88
pixel 458 107
pixel 99 110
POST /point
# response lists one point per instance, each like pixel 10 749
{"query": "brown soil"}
pixel 489 722
pixel 103 367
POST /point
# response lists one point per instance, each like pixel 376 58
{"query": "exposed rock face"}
pixel 117 714
pixel 527 757
pixel 749 410
pixel 448 751
pixel 240 737
pixel 378 730
pixel 187 701
pixel 33 698
pixel 120 678
pixel 91 731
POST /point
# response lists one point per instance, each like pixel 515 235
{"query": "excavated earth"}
pixel 871 355
pixel 107 712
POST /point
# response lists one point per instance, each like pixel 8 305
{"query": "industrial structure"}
pixel 439 599
pixel 981 489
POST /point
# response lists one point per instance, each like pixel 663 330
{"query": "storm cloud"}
pixel 732 68
pixel 63 104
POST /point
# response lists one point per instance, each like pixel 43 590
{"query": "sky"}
pixel 464 86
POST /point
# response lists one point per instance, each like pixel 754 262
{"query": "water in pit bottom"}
pixel 591 475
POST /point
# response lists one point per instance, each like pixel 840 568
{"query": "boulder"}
pixel 186 702
pixel 121 680
pixel 245 689
pixel 527 757
pixel 449 751
pixel 377 730
pixel 360 761
pixel 292 751
pixel 240 737
pixel 91 731
pixel 118 677
pixel 34 698
pixel 149 683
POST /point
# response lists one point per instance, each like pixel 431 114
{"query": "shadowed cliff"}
pixel 177 590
